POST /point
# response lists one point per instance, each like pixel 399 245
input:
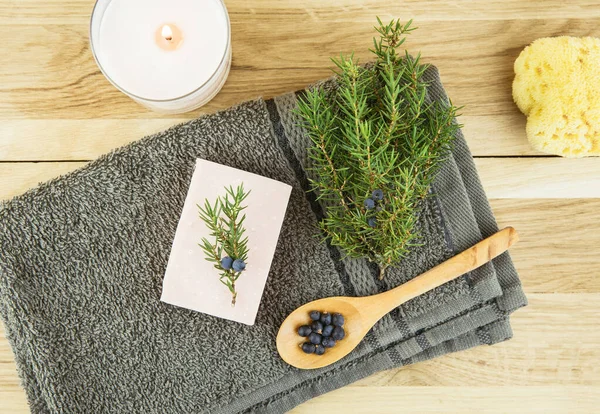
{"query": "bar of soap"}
pixel 190 280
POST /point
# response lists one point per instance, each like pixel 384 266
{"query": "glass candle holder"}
pixel 170 56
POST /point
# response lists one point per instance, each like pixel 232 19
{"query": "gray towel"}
pixel 83 258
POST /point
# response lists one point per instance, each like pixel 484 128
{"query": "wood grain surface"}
pixel 58 112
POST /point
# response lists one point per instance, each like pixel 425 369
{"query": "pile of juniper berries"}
pixel 324 331
pixel 374 203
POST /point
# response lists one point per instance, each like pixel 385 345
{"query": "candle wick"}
pixel 167 33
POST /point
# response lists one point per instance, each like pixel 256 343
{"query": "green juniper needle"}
pixel 377 144
pixel 229 249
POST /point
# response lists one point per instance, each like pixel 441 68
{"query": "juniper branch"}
pixel 376 131
pixel 225 222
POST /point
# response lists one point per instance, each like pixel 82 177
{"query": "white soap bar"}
pixel 190 280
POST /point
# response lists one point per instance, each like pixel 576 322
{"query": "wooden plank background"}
pixel 57 112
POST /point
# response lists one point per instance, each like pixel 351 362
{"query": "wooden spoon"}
pixel 362 313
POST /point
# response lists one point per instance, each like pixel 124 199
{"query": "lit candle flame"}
pixel 167 33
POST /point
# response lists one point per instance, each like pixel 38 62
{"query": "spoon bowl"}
pixel 289 342
pixel 361 313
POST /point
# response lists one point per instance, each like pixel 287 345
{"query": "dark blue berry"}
pixel 317 326
pixel 314 338
pixel 377 195
pixel 372 222
pixel 308 348
pixel 338 319
pixel 226 262
pixel 304 330
pixel 338 333
pixel 319 350
pixel 325 318
pixel 315 315
pixel 369 203
pixel 328 342
pixel 238 265
pixel 328 330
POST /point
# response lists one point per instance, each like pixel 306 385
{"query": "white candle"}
pixel 170 55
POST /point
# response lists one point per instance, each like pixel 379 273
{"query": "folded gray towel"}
pixel 83 258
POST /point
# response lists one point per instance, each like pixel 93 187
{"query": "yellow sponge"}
pixel 557 85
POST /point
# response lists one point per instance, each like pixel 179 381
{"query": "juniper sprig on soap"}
pixel 377 144
pixel 229 248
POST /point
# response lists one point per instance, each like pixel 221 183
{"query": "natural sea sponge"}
pixel 557 85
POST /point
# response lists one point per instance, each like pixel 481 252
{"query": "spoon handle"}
pixel 462 263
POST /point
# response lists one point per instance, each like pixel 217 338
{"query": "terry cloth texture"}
pixel 83 257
